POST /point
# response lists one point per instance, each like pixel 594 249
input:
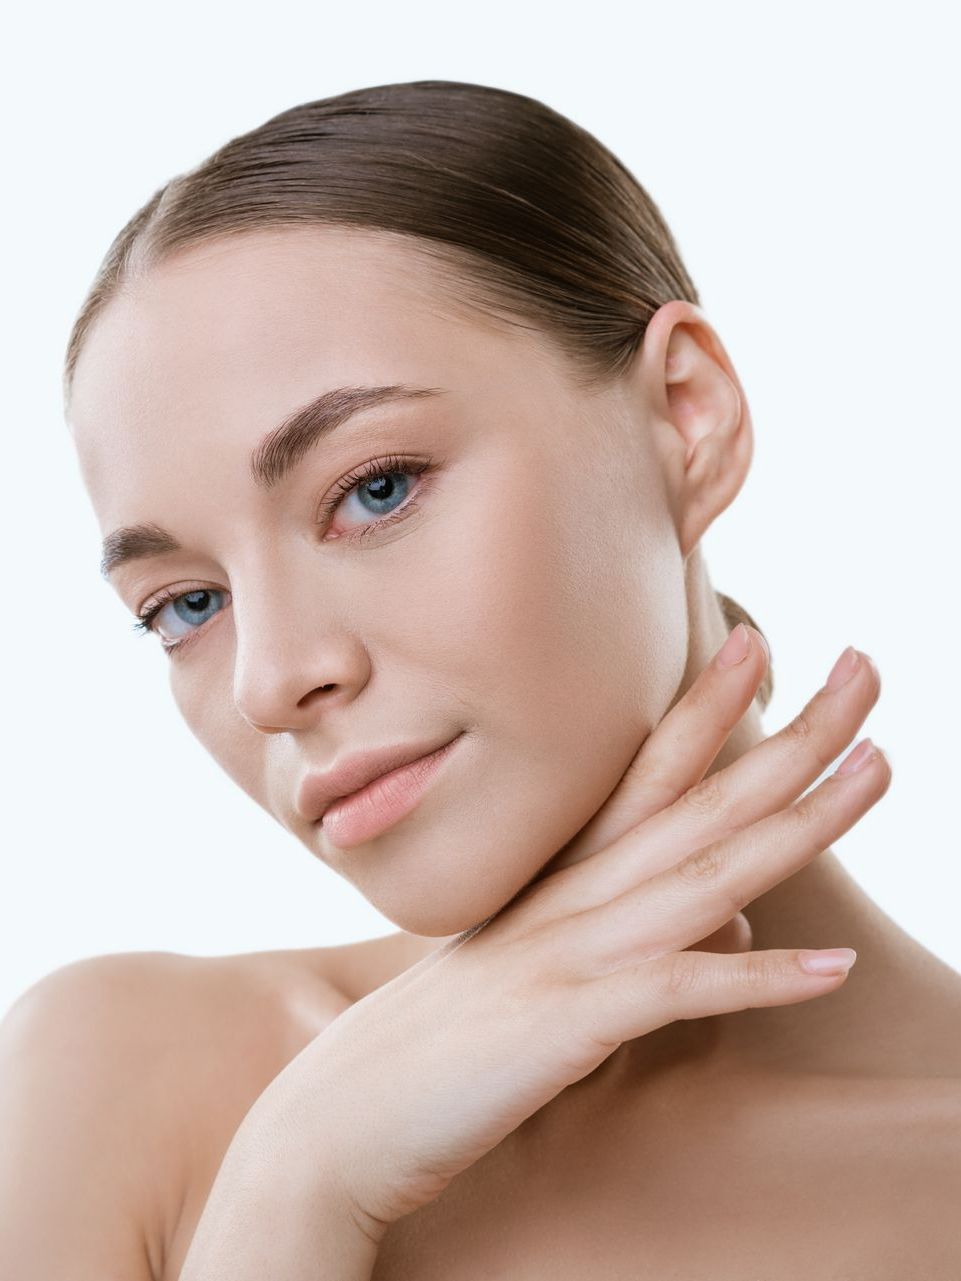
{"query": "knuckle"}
pixel 705 797
pixel 681 974
pixel 798 818
pixel 703 865
pixel 658 777
pixel 806 734
pixel 761 971
pixel 818 811
pixel 710 869
pixel 800 730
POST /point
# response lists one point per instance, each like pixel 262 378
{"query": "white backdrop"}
pixel 806 160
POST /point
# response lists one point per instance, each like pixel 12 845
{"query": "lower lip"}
pixel 378 806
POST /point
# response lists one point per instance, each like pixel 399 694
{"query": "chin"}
pixel 435 921
pixel 453 865
pixel 438 915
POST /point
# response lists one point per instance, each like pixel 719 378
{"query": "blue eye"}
pixel 381 482
pixel 191 609
pixel 177 616
pixel 382 493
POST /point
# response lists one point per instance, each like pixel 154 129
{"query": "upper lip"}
pixel 319 791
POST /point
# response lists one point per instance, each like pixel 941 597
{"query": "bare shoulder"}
pixel 77 1091
pixel 122 1080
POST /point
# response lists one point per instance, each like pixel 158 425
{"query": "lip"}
pixel 348 777
pixel 367 812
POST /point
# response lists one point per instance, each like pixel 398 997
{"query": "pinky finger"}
pixel 637 999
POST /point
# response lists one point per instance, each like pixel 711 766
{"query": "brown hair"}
pixel 537 221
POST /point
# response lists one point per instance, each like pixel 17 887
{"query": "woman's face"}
pixel 512 576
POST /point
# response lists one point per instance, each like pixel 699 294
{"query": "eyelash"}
pixel 376 468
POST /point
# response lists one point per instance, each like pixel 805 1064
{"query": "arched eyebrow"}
pixel 277 454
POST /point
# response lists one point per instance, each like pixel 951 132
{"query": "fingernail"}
pixel 857 757
pixel 843 669
pixel 827 960
pixel 735 648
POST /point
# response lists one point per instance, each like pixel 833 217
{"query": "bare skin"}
pixel 703 1149
pixel 816 1139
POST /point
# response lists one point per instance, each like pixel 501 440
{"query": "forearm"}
pixel 258 1225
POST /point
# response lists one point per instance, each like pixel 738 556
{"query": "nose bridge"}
pixel 292 655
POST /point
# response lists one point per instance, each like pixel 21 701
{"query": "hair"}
pixel 538 222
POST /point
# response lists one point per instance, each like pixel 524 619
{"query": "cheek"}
pixel 560 634
pixel 565 622
pixel 204 697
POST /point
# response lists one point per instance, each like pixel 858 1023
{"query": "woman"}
pixel 402 424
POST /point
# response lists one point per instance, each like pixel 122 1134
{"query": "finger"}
pixel 633 1001
pixel 761 782
pixel 679 750
pixel 778 769
pixel 687 901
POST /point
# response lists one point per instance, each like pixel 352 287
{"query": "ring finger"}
pixel 685 902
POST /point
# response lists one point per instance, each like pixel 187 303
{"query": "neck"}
pixel 897 1012
pixel 891 1014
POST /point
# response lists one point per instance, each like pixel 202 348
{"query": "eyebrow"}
pixel 274 458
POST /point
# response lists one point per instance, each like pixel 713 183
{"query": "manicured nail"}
pixel 827 960
pixel 735 649
pixel 843 669
pixel 857 757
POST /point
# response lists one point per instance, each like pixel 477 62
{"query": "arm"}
pixel 255 1227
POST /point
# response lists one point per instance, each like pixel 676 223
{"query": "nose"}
pixel 293 661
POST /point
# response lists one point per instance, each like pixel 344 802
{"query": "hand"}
pixel 419 1079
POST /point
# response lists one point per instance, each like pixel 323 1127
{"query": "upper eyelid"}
pixel 333 496
pixel 149 612
pixel 355 476
pixel 145 606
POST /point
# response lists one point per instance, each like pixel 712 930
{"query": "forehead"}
pixel 218 343
pixel 276 298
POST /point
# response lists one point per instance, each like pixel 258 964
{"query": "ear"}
pixel 700 420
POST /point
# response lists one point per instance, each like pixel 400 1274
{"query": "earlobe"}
pixel 706 434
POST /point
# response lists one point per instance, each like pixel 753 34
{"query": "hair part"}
pixel 536 220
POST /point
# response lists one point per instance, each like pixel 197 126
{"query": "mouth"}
pixel 381 803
